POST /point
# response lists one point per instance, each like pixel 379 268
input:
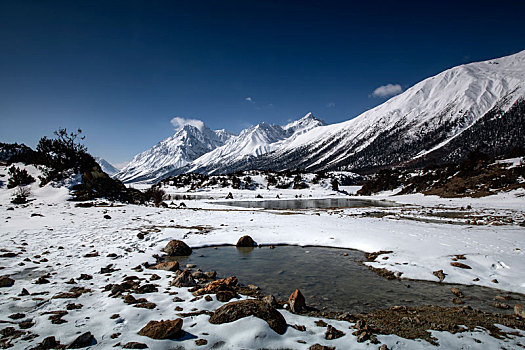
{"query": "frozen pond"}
pixel 308 203
pixel 329 279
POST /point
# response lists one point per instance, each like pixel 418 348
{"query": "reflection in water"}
pixel 330 279
pixel 319 203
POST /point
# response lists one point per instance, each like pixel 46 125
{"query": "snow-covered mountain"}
pixel 187 144
pixel 106 166
pixel 476 106
pixel 473 106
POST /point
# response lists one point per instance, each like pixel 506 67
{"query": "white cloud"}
pixel 330 105
pixel 249 99
pixel 387 90
pixel 179 122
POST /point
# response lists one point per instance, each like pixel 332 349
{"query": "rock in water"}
pixel 177 248
pixel 245 241
pixel 297 302
pixel 83 340
pixel 169 329
pixel 224 284
pixel 184 279
pixel 244 308
pixel 168 266
pixel 519 310
pixel 457 292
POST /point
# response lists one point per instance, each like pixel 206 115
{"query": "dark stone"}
pixel 169 329
pixel 244 308
pixel 24 292
pixel 177 248
pixel 17 316
pixel 200 342
pixel 245 241
pixel 134 345
pixel 107 217
pixel 83 341
pixel 226 295
pixel 439 274
pixel 5 281
pixel 321 347
pixel 333 333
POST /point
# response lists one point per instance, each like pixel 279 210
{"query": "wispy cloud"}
pixel 387 90
pixel 179 122
pixel 249 99
pixel 330 105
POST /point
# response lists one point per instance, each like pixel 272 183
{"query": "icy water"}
pixel 330 280
pixel 318 203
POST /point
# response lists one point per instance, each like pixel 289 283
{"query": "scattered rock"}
pixel 134 345
pixel 154 277
pixel 224 284
pixel 48 343
pixel 114 316
pixel 73 306
pixel 93 254
pixel 439 274
pixel 208 298
pixel 184 279
pixel 519 310
pixel 168 329
pixel 458 301
pixel 17 316
pixel 200 342
pixel 71 281
pixel 457 292
pixel 320 323
pixel 501 305
pixel 297 302
pixel 245 241
pixel 460 265
pixel 229 196
pixel 494 281
pixel 42 280
pixel 210 275
pixel 177 248
pixel 85 277
pixel 24 292
pixel 107 217
pixel 244 308
pixel 168 266
pixel 321 347
pixel 300 328
pixel 26 324
pixel 146 305
pixel 83 340
pixel 333 333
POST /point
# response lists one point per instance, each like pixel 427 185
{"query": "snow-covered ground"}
pixel 52 236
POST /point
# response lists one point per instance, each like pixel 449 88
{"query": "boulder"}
pixel 168 329
pixel 270 300
pixel 244 308
pixel 297 302
pixel 226 295
pixel 177 248
pixel 84 340
pixel 184 279
pixel 333 333
pixel 245 241
pixel 5 281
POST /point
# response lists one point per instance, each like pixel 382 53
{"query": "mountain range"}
pixel 477 106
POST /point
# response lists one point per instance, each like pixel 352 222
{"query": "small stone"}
pixel 184 279
pixel 154 277
pixel 73 306
pixel 519 310
pixel 270 300
pixel 320 323
pixel 333 333
pixel 17 316
pixel 208 298
pixel 501 305
pixel 494 281
pixel 297 302
pixel 321 347
pixel 225 295
pixel 134 345
pixel 200 342
pixel 439 274
pixel 114 316
pixel 168 329
pixel 168 266
pixel 300 328
pixel 42 280
pixel 460 265
pixel 24 292
pixel 85 277
pixel 458 301
pixel 107 217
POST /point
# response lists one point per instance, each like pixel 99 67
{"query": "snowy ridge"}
pixel 106 166
pixel 187 144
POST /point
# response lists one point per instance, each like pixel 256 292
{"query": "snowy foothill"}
pixel 55 239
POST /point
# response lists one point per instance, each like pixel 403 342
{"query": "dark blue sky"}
pixel 121 70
